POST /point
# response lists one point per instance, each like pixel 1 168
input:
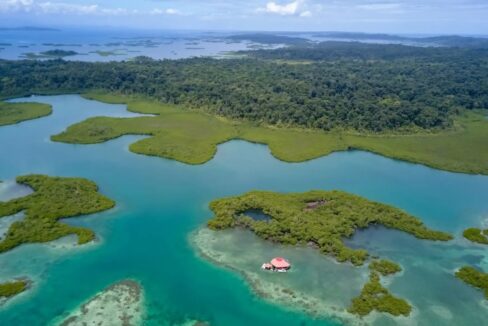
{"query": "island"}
pixel 12 288
pixel 474 277
pixel 384 267
pixel 53 199
pixel 12 113
pixel 322 219
pixel 374 296
pixel 108 53
pixel 119 304
pixel 476 235
pixel 50 54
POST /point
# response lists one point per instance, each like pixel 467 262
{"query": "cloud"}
pixel 295 8
pixel 48 7
pixel 169 11
pixel 380 6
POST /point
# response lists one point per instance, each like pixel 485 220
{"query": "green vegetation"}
pixel 192 137
pixel 335 215
pixel 53 199
pixel 376 297
pixel 445 40
pixel 10 289
pixel 422 105
pixel 474 277
pixel 11 113
pixel 50 54
pixel 476 235
pixel 384 267
pixel 348 86
pixel 269 38
pixel 108 53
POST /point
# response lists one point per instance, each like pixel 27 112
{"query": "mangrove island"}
pixel 10 289
pixel 319 218
pixel 476 235
pixel 374 296
pixel 54 198
pixel 474 277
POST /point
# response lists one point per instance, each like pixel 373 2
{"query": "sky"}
pixel 385 16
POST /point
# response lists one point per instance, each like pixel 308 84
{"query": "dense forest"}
pixel 341 85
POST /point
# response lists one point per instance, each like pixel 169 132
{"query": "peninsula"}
pixel 12 113
pixel 192 137
pixel 400 101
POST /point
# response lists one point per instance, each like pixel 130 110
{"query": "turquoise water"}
pixel 160 202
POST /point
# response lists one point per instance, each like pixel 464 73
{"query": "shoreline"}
pixel 286 144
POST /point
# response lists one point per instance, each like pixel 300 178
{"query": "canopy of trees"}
pixel 345 85
pixel 336 216
pixel 475 278
pixel 53 199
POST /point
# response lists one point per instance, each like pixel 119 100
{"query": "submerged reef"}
pixel 53 199
pixel 315 285
pixel 119 304
pixel 319 218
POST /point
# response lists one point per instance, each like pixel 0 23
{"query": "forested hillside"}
pixel 348 85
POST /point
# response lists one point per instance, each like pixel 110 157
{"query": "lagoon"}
pixel 160 203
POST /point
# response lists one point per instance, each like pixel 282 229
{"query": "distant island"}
pixel 50 54
pixel 322 219
pixel 53 199
pixel 440 40
pixel 268 38
pixel 29 28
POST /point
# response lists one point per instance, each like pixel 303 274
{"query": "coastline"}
pixel 441 150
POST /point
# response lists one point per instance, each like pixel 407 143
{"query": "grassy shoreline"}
pixel 13 113
pixel 192 137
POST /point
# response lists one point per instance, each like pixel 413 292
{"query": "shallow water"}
pixel 122 44
pixel 161 202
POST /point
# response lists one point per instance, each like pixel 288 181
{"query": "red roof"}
pixel 280 262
